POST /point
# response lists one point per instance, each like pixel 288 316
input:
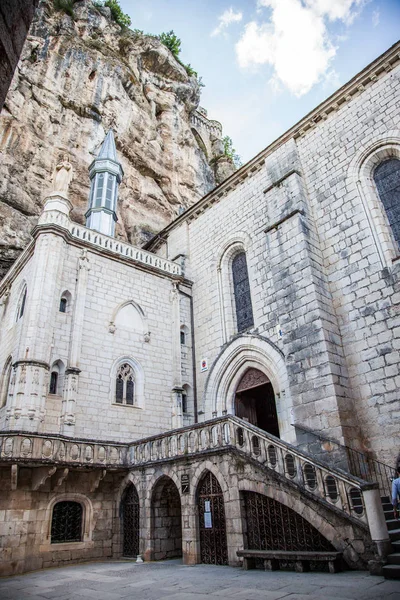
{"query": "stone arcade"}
pixel 232 385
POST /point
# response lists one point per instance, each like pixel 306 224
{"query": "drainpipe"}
pixel 193 353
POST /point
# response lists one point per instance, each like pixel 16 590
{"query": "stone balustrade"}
pixel 341 490
pixel 126 250
pixel 47 449
pixel 199 121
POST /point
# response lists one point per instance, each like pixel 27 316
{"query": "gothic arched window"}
pixel 5 382
pixel 66 522
pixel 387 181
pixel 125 385
pixel 241 289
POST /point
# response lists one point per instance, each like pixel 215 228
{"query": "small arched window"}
pixel 63 305
pixel 241 289
pixel 387 181
pixel 184 402
pixel 21 303
pixel 125 385
pixel 183 338
pixel 66 522
pixel 57 377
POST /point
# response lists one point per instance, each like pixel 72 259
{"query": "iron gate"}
pixel 130 521
pixel 213 546
pixel 274 526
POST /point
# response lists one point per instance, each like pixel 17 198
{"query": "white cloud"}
pixel 228 16
pixel 376 17
pixel 295 40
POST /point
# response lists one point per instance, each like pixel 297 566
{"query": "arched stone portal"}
pixel 166 520
pixel 255 401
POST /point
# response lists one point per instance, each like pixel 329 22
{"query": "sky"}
pixel 267 63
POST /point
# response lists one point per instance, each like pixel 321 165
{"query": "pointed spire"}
pixel 108 150
pixel 105 174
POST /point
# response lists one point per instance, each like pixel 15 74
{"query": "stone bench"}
pixel 301 559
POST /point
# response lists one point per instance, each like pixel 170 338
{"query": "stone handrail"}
pixel 123 249
pixel 52 449
pixel 344 492
pixel 338 488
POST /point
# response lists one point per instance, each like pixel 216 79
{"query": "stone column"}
pixel 190 530
pixel 376 522
pixel 71 382
pixel 176 393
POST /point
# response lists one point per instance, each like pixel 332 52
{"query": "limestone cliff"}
pixel 76 78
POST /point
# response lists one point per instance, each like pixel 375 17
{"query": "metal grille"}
pixel 274 526
pixel 130 521
pixel 387 180
pixel 213 546
pixel 66 524
pixel 241 287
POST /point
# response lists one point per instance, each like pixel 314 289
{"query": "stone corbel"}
pixel 14 477
pixel 61 476
pixel 41 475
pixel 98 476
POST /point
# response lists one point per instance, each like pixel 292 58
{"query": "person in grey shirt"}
pixel 396 494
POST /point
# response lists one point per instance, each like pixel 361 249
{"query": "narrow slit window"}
pixel 53 382
pixel 183 338
pixel 63 305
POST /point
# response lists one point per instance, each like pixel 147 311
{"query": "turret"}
pixel 105 174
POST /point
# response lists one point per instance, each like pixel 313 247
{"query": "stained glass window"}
pixel 241 287
pixel 387 181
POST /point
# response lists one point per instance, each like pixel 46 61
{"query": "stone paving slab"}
pixel 170 580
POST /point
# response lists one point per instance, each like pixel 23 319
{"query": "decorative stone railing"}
pixel 48 449
pixel 342 491
pixel 199 121
pixel 125 250
pixel 339 489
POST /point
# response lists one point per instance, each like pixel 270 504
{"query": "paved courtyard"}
pixel 172 581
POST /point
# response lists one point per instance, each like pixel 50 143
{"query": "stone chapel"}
pixel 231 386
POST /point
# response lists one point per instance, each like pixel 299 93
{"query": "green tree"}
pixel 117 15
pixel 172 42
pixel 230 151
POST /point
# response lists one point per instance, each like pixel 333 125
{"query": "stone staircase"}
pixel 392 569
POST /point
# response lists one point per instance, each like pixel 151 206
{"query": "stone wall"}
pixel 323 270
pixel 25 515
pixel 120 313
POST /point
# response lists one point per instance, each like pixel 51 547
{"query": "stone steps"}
pixel 392 569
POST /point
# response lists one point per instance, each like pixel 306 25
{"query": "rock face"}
pixel 76 78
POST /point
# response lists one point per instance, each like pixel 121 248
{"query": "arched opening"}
pixel 255 401
pixel 166 520
pixel 57 373
pixel 5 382
pixel 130 521
pixel 271 525
pixel 200 142
pixel 212 526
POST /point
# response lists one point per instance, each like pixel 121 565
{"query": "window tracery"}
pixel 241 290
pixel 125 385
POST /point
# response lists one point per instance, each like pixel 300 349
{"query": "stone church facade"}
pixel 156 401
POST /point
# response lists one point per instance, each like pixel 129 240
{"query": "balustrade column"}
pixel 376 521
pixel 71 384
